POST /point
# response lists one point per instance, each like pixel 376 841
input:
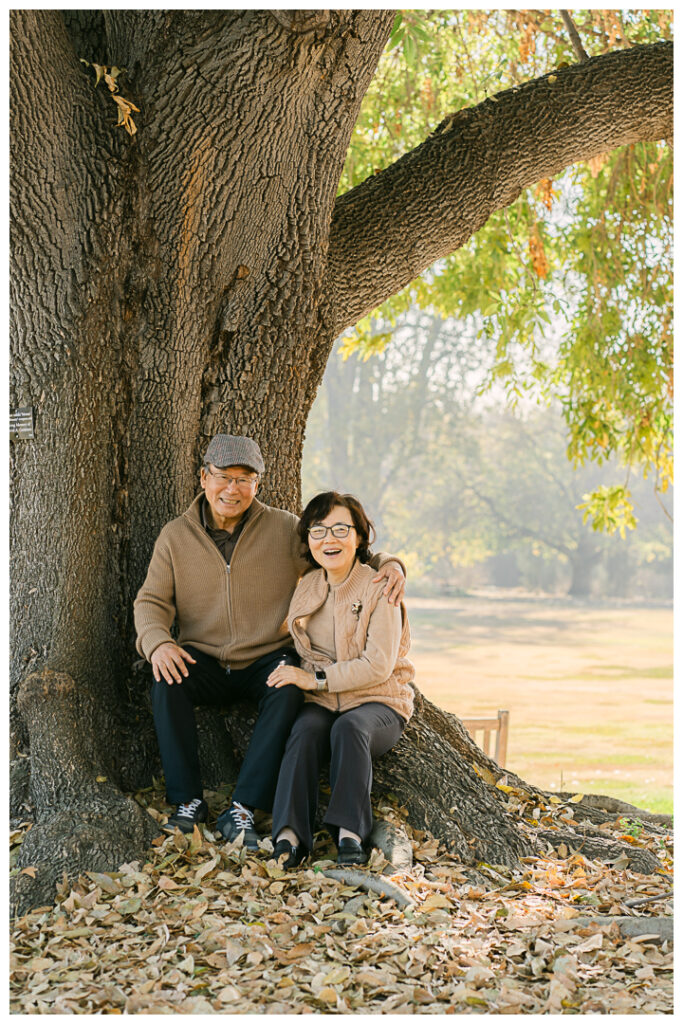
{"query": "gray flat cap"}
pixel 233 450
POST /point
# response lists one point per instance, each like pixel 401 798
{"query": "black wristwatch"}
pixel 320 679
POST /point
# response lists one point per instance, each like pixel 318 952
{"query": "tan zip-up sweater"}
pixel 234 613
pixel 371 660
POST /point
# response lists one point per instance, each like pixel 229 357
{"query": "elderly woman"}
pixel 356 677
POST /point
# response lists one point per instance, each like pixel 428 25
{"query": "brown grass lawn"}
pixel 589 688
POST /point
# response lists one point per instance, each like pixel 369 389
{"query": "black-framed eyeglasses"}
pixel 337 530
pixel 243 482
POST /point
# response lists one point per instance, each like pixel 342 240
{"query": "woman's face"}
pixel 336 555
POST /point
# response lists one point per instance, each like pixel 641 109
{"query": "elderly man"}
pixel 225 572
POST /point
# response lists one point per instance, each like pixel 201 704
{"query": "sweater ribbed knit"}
pixel 234 613
pixel 371 660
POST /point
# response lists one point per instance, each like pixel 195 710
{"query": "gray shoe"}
pixel 186 816
pixel 238 819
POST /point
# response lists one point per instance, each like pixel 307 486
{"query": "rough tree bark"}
pixel 192 278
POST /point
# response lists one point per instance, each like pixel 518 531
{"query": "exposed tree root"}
pixel 83 821
pixel 598 847
pixel 611 806
pixel 394 844
pixel 661 928
pixel 449 787
pixel 372 883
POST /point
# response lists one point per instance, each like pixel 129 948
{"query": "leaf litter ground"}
pixel 207 927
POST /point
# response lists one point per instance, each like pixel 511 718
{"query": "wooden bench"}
pixel 487 726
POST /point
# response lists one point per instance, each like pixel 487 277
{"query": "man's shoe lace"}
pixel 242 817
pixel 188 810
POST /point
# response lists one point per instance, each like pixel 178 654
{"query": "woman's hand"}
pixel 289 675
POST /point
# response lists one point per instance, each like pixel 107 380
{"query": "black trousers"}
pixel 350 739
pixel 208 684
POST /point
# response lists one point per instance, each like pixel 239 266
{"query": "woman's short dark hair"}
pixel 321 506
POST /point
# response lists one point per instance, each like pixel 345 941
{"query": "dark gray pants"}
pixel 350 739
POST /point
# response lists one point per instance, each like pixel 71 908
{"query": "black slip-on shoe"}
pixel 238 819
pixel 295 854
pixel 351 852
pixel 186 816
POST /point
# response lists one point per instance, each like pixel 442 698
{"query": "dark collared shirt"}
pixel 224 541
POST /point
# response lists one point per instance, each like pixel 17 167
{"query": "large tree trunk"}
pixel 165 286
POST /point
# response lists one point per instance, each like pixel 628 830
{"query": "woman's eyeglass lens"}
pixel 338 530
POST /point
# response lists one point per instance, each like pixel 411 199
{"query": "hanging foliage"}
pixel 572 286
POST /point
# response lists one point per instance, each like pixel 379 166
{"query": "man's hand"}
pixel 289 675
pixel 396 582
pixel 168 660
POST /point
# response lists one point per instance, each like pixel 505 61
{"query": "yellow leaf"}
pixel 99 71
pixel 337 975
pixel 125 105
pixel 555 800
pixel 101 778
pixel 435 902
pixel 552 78
pixel 41 963
pixel 298 950
pixel 196 840
pixel 327 995
pixel 576 799
pixel 205 869
pixel 485 774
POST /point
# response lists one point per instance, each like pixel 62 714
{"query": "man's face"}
pixel 229 491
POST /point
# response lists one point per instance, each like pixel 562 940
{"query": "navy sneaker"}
pixel 351 852
pixel 186 816
pixel 238 819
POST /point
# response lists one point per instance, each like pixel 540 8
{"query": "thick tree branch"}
pixel 395 224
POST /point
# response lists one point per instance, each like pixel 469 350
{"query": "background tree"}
pixel 463 487
pixel 187 271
